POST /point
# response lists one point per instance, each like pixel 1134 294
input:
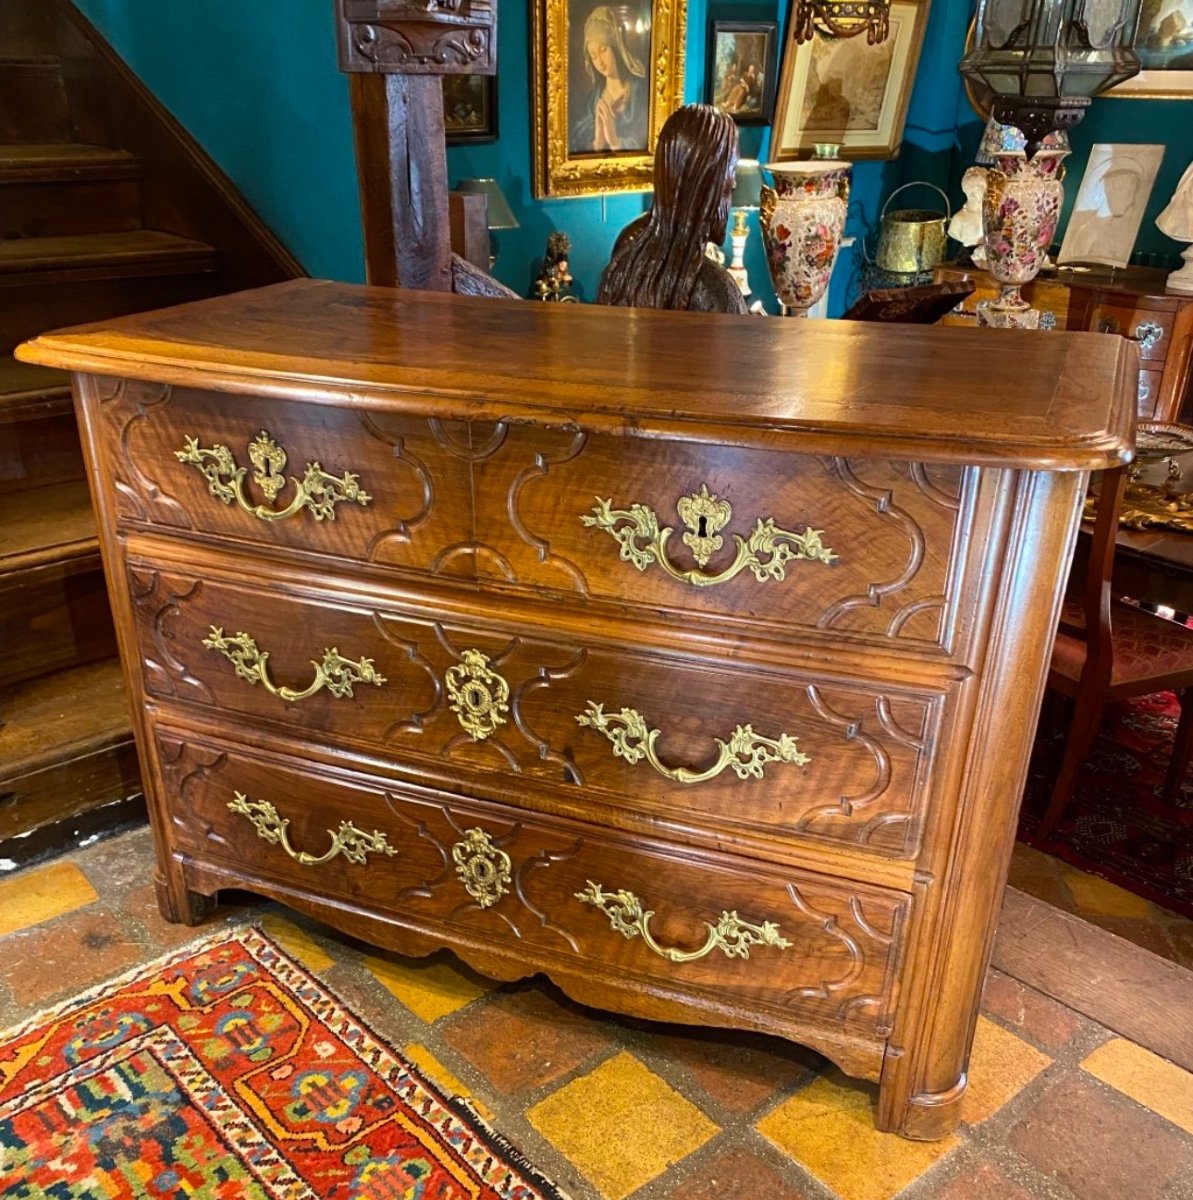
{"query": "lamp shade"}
pixel 747 190
pixel 501 216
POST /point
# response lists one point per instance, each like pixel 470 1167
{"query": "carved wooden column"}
pixel 394 51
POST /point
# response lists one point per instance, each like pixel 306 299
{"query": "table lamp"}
pixel 1177 222
pixel 747 195
pixel 500 215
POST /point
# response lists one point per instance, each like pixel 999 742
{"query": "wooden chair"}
pixel 1108 651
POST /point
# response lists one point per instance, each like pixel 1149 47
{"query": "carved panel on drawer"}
pixel 864 548
pixel 364 486
pixel 759 753
pixel 813 948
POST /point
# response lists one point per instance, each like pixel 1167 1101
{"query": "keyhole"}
pixel 702 529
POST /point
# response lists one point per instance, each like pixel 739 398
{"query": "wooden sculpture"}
pixel 659 260
pixel 394 52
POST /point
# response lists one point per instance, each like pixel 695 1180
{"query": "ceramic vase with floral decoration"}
pixel 803 219
pixel 1020 214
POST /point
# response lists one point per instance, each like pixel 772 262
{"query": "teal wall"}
pixel 257 85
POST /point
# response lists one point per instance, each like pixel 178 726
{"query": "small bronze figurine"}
pixel 554 281
pixel 659 259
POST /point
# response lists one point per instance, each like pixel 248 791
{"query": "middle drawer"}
pixel 783 753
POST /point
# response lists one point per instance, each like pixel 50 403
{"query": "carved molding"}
pixel 417 37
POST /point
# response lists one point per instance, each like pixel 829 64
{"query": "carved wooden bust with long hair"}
pixel 659 259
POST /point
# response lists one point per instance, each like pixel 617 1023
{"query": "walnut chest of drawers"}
pixel 692 661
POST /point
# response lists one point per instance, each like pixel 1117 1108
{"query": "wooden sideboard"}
pixel 1133 302
pixel 692 661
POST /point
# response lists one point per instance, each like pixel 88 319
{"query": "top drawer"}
pixel 1151 328
pixel 351 484
pixel 865 550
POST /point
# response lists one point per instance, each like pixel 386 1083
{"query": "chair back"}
pixel 1095 596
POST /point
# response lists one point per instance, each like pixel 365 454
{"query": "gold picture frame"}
pixel 845 91
pixel 574 129
pixel 1164 41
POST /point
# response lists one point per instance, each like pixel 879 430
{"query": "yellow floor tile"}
pixel 296 942
pixel 621 1125
pixel 439 1075
pixel 1000 1067
pixel 1101 898
pixel 31 897
pixel 1147 1078
pixel 829 1128
pixel 429 990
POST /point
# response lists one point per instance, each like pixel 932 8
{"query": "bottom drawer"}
pixel 805 947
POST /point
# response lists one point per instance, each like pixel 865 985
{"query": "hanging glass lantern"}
pixel 1044 60
pixel 841 19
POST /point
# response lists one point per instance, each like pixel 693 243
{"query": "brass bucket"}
pixel 911 240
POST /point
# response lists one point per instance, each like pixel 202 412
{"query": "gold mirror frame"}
pixel 557 172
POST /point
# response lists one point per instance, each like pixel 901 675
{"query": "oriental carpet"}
pixel 225 1072
pixel 1116 824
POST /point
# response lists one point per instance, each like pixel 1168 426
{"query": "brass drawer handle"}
pixel 766 552
pixel 354 844
pixel 746 753
pixel 731 935
pixel 316 490
pixel 333 671
pixel 1148 334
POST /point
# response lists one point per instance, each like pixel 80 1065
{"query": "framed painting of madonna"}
pixel 606 77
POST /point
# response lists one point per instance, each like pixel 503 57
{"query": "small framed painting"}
pixel 470 108
pixel 741 69
pixel 1165 44
pixel 844 90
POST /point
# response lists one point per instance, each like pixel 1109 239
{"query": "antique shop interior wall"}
pixel 258 86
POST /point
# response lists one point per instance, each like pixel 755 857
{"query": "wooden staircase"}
pixel 90 227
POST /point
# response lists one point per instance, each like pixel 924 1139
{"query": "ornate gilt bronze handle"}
pixel 333 671
pixel 316 490
pixel 765 553
pixel 731 935
pixel 745 753
pixel 354 844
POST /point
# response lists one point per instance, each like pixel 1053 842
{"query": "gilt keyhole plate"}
pixel 479 696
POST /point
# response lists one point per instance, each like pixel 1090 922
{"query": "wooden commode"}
pixel 690 660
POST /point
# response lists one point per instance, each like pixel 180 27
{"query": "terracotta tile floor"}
pixel 1058 1107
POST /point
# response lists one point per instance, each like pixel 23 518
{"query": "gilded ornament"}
pixel 483 868
pixel 746 753
pixel 765 553
pixel 316 490
pixel 731 935
pixel 479 696
pixel 354 844
pixel 334 672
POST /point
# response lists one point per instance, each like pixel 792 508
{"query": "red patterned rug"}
pixel 1116 825
pixel 225 1072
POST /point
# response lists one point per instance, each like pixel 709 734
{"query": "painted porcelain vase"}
pixel 1019 214
pixel 803 218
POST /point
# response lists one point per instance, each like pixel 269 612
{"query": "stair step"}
pixel 136 252
pixel 62 162
pixel 26 30
pixel 35 107
pixel 65 747
pixel 29 392
pixel 63 189
pixel 46 525
pixel 108 275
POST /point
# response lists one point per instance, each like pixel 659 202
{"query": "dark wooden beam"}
pixel 1132 991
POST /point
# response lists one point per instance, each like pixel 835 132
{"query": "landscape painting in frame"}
pixel 1165 45
pixel 848 92
pixel 606 77
pixel 741 69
